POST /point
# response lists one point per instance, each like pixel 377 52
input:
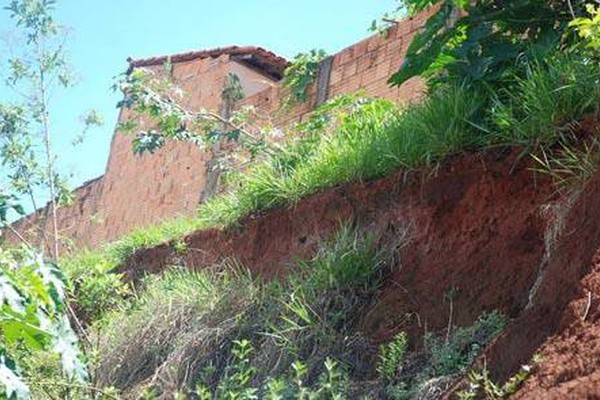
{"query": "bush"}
pixel 391 356
pixel 446 357
pixel 441 358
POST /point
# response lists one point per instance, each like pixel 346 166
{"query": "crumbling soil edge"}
pixel 478 225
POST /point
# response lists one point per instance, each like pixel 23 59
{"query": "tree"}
pixel 33 305
pixel 485 41
pixel 37 68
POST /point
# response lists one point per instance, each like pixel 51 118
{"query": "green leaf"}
pixel 14 386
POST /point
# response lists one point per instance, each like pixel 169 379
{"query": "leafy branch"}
pixel 301 74
pixel 154 96
pixel 482 41
pixel 33 316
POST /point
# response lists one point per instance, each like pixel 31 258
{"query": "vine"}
pixel 301 74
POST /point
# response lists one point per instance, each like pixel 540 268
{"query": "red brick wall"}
pixel 79 223
pixel 137 191
pixel 365 66
pixel 140 190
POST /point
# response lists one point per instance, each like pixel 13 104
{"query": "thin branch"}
pixel 571 9
pixel 19 236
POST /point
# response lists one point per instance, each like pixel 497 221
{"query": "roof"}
pixel 265 61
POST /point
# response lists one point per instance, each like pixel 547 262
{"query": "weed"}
pixel 482 386
pixel 391 356
pixel 570 167
pixel 454 354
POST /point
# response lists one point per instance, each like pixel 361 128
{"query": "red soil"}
pixel 476 227
pixel 474 220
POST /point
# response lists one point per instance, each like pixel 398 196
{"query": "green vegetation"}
pixel 33 319
pixel 484 43
pixel 481 385
pixel 442 356
pixel 301 74
pixel 376 138
pixel 34 69
pixel 221 333
pixel 391 356
pixel 352 138
pixel 92 282
pixel 185 328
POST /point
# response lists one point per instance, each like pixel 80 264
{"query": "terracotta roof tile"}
pixel 258 57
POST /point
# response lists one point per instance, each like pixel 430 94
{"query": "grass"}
pixel 353 139
pixel 182 329
pixel 547 104
pixel 571 165
pixel 378 138
pixel 374 140
pixel 220 332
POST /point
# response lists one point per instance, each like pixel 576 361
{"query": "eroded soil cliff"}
pixel 482 227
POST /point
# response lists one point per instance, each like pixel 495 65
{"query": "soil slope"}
pixel 483 227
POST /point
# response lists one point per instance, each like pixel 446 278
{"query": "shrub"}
pixel 391 356
pixel 446 357
pixel 441 358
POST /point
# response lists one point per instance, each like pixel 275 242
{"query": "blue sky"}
pixel 106 32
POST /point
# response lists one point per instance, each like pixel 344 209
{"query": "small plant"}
pixel 455 353
pixel 482 386
pixel 588 27
pixel 391 356
pixel 240 384
pixel 33 318
pixel 180 246
pixel 237 383
pixel 301 74
pixel 569 167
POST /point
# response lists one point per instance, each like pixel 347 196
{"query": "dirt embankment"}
pixel 483 227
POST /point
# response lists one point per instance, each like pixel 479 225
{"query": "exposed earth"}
pixel 484 227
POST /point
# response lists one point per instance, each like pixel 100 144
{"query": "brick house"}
pixel 136 191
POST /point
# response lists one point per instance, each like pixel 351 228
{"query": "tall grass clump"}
pixel 548 102
pixel 185 327
pixel 373 139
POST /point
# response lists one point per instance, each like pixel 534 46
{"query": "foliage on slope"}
pixel 220 333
